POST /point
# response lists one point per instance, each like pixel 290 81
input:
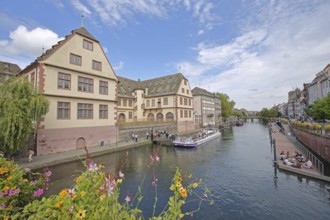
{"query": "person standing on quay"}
pixel 31 153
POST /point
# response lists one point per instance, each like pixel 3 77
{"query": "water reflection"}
pixel 238 168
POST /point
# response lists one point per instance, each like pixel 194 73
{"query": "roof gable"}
pixel 166 85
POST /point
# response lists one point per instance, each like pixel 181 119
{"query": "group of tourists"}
pixel 296 160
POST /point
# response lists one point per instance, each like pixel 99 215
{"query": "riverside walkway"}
pixel 283 143
pixel 73 155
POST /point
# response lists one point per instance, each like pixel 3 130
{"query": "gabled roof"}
pixel 9 68
pixel 166 85
pixel 80 31
pixel 201 92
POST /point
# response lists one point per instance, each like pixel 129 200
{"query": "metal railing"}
pixel 315 161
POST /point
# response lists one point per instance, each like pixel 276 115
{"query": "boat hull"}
pixel 196 143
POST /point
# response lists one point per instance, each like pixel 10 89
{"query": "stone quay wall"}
pixel 319 144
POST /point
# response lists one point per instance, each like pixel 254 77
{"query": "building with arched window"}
pixel 166 98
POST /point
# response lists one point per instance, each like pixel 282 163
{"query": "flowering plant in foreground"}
pixel 19 186
pixel 95 195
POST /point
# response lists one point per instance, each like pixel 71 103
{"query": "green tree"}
pixel 237 113
pixel 21 106
pixel 264 113
pixel 320 110
pixel 227 107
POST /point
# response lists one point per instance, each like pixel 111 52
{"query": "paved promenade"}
pixel 283 143
pixel 68 156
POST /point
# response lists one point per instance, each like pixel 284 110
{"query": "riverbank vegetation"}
pixel 95 195
pixel 21 107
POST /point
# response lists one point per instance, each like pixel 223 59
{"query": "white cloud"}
pixel 273 55
pixel 119 66
pixel 119 12
pixel 23 41
pixel 24 45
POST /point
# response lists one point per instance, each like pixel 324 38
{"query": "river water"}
pixel 237 168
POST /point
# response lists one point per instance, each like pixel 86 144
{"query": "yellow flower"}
pixel 81 214
pixel 64 192
pixel 101 166
pixel 73 196
pixel 102 197
pixel 194 185
pixel 119 181
pixel 178 185
pixel 9 178
pixel 25 180
pixel 6 188
pixel 59 204
pixel 83 193
pixel 183 192
pixel 79 178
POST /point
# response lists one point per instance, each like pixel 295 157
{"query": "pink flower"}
pixel 154 182
pixel 92 166
pixel 38 193
pixel 13 192
pixel 128 198
pixel 121 175
pixel 157 158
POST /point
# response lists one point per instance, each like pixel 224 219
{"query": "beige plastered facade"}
pixel 55 134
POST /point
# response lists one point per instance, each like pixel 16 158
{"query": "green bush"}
pixel 19 186
pixel 95 195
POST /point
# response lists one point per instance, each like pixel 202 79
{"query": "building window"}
pixel 185 101
pixel 185 82
pixel 85 84
pixel 63 110
pixel 130 103
pixel 189 102
pixel 87 45
pixel 119 102
pixel 125 102
pixel 182 90
pixel 103 87
pixel 189 114
pixel 103 112
pixel 153 103
pixel 181 113
pixel 96 65
pixel 130 115
pixel 165 101
pixel 187 91
pixel 85 111
pixel 148 103
pixel 185 113
pixel 75 59
pixel 180 100
pixel 64 81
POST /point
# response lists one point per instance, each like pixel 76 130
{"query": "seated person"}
pixel 308 165
pixel 282 155
pixel 296 164
pixel 287 162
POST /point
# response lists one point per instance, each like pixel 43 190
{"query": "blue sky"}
pixel 255 51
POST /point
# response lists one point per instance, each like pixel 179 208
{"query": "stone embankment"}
pixel 281 141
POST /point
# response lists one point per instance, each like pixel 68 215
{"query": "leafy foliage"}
pixel 320 110
pixel 18 187
pixel 269 113
pixel 227 107
pixel 20 106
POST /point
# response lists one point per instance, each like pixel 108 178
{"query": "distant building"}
pixel 207 108
pixel 296 104
pixel 77 78
pixel 8 70
pixel 320 86
pixel 166 98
